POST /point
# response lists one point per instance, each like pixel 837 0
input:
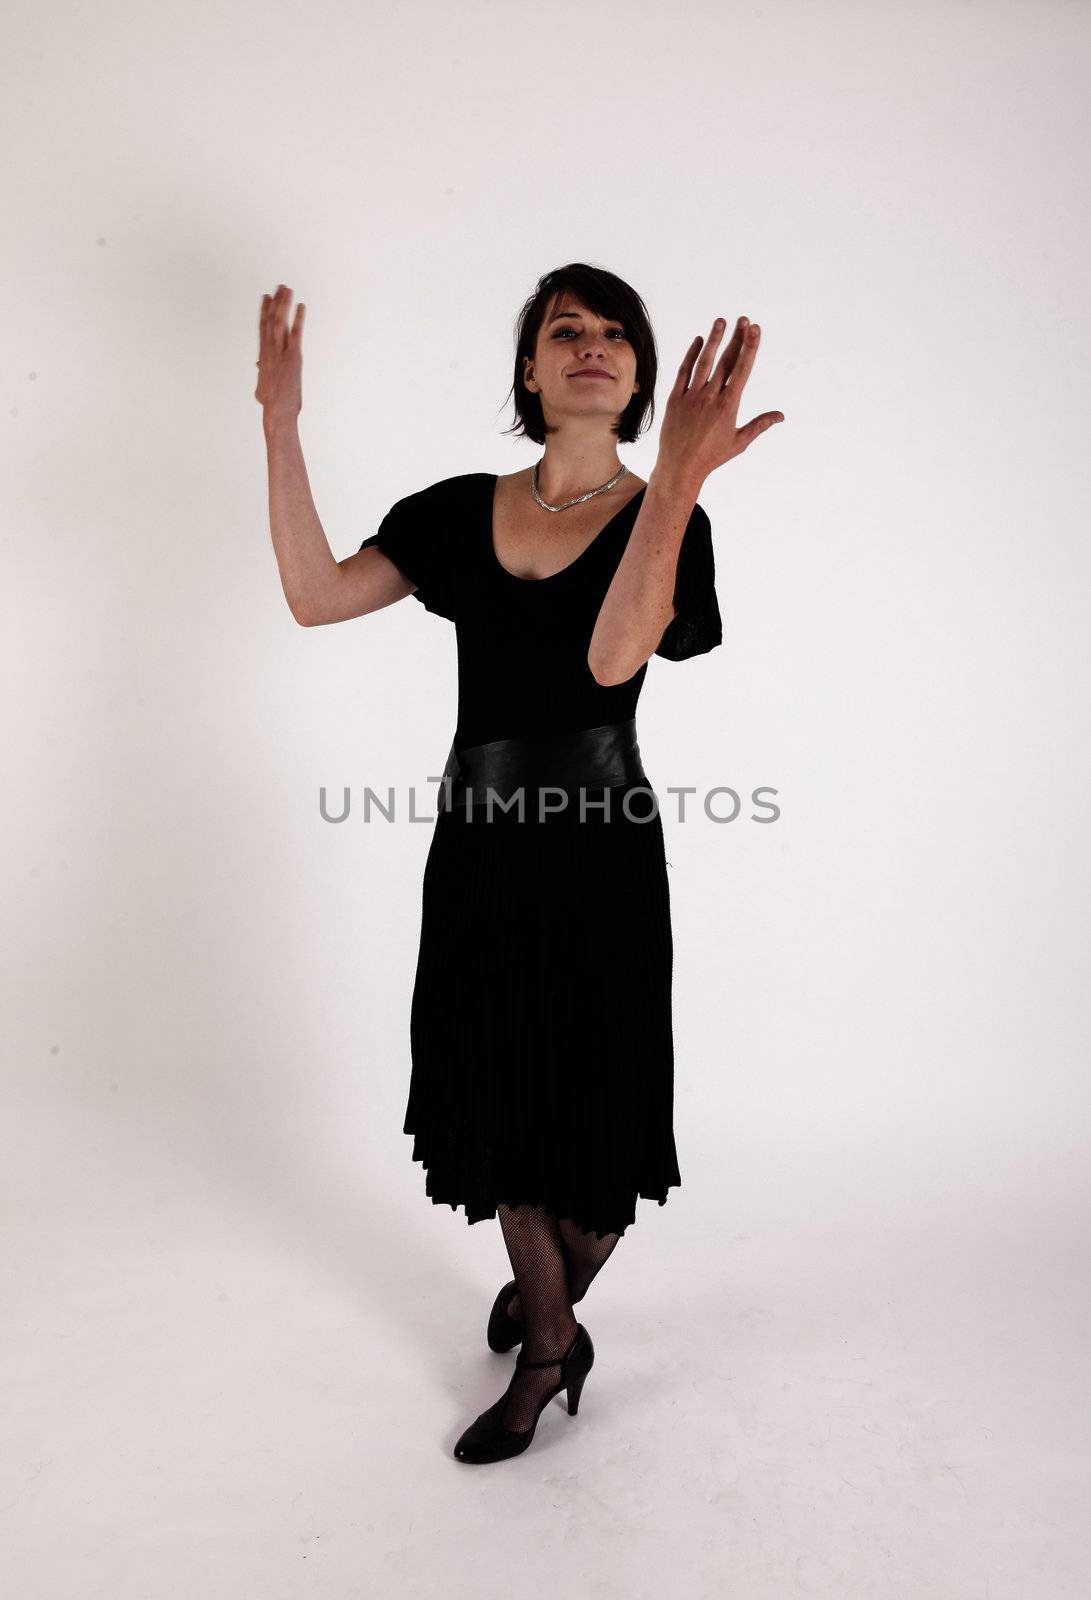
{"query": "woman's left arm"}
pixel 699 434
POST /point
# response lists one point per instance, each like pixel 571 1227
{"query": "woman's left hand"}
pixel 699 431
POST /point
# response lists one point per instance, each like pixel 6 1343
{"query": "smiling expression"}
pixel 574 342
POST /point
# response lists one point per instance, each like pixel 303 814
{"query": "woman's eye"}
pixel 562 331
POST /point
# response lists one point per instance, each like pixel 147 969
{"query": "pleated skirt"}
pixel 541 1024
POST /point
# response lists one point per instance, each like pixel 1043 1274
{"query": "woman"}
pixel 542 1049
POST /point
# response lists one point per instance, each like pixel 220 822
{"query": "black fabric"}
pixel 697 628
pixel 412 534
pixel 522 643
pixel 541 1027
pixel 559 764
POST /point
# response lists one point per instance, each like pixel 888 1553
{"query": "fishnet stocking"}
pixel 536 1248
pixel 585 1253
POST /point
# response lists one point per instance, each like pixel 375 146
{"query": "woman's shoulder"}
pixel 458 484
pixel 438 505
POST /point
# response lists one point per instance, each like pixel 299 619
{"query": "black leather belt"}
pixel 607 757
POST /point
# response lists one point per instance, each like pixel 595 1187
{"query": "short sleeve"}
pixel 415 536
pixel 697 626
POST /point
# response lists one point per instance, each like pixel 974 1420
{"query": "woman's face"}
pixel 573 341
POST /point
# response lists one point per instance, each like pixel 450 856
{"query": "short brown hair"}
pixel 608 296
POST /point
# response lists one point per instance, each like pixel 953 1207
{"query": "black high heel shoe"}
pixel 487 1439
pixel 504 1331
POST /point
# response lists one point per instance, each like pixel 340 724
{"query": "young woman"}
pixel 542 1074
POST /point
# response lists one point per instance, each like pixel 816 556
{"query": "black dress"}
pixel 541 1026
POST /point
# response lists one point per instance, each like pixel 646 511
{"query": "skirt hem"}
pixel 484 1210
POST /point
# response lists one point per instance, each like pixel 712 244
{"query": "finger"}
pixel 268 319
pixel 282 301
pixel 263 318
pixel 731 352
pixel 761 424
pixel 741 370
pixel 297 325
pixel 708 354
pixel 681 382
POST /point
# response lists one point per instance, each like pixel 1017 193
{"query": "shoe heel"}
pixel 580 1368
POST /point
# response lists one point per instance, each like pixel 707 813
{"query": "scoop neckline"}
pixel 550 576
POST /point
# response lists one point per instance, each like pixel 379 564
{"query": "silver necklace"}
pixel 621 472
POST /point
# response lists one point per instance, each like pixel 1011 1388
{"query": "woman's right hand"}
pixel 280 357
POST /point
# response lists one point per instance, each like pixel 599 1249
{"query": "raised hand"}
pixel 280 357
pixel 699 431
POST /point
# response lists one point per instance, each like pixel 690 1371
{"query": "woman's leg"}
pixel 585 1253
pixel 537 1253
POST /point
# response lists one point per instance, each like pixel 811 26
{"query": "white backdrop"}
pixel 848 1356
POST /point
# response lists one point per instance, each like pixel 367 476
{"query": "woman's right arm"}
pixel 317 587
